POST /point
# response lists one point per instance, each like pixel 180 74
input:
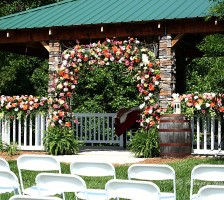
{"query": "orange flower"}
pixel 61 113
pixel 14 105
pixel 55 118
pixel 212 104
pixel 151 87
pixel 35 105
pixel 68 124
pixel 221 109
pixel 150 65
pixel 66 76
pixel 114 48
pixel 25 107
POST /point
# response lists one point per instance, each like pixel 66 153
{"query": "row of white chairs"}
pixel 147 172
pixel 49 163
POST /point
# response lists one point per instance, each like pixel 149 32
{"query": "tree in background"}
pixel 22 74
pixel 206 74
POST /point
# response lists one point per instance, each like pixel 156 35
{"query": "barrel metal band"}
pixel 175 144
pixel 175 154
pixel 175 130
pixel 175 120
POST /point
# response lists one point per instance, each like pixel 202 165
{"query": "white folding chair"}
pixel 38 163
pixel 4 165
pixel 93 169
pixel 211 192
pixel 25 197
pixel 60 183
pixel 205 173
pixel 154 172
pixel 9 182
pixel 132 189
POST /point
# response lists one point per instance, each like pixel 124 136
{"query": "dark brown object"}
pixel 175 136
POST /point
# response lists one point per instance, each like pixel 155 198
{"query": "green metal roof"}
pixel 85 12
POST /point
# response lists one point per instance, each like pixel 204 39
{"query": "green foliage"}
pixel 105 89
pixel 23 75
pixel 60 141
pixel 145 143
pixel 11 149
pixel 206 74
pixel 14 6
pixel 217 9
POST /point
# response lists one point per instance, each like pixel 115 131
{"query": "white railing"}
pixel 28 133
pixel 98 128
pixel 207 136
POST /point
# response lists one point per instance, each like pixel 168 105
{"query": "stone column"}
pixel 54 61
pixel 167 68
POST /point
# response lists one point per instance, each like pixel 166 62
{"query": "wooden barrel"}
pixel 175 136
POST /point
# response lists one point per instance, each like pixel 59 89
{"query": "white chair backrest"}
pixel 60 183
pixel 36 163
pixel 25 197
pixel 131 189
pixel 9 182
pixel 96 170
pixel 206 173
pixel 92 169
pixel 211 192
pixel 4 165
pixel 151 172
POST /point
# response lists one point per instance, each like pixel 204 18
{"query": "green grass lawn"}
pixel 183 170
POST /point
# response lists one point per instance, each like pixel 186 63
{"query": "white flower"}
pixel 198 107
pixel 61 101
pixel 145 59
pixel 66 56
pixel 142 106
pixel 137 41
pixel 195 97
pixel 59 86
pixel 156 82
pixel 64 62
pixel 207 105
pixel 147 120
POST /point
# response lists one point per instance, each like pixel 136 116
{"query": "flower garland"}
pixel 201 104
pixel 131 53
pixel 18 105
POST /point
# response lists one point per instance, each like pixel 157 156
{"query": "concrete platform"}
pixel 115 155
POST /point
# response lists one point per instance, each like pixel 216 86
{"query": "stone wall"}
pixel 167 68
pixel 54 60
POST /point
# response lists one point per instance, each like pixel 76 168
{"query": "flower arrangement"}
pixel 138 61
pixel 201 104
pixel 18 105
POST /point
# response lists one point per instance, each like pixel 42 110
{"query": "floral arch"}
pixel 138 61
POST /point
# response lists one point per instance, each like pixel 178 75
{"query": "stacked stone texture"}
pixel 167 68
pixel 54 61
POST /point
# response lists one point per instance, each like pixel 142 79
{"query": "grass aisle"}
pixel 183 171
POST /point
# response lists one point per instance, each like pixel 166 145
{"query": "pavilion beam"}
pixel 177 39
pixel 114 30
